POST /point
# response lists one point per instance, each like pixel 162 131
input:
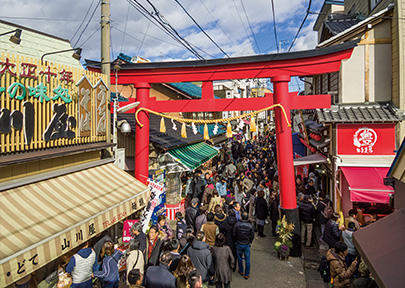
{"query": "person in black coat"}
pixel 191 213
pixel 243 234
pixel 274 214
pixel 307 217
pixel 261 212
pixel 332 232
pixel 200 255
pixel 160 276
pixel 226 227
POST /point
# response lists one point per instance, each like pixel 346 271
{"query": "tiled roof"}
pixel 373 112
pixel 189 88
pixel 337 23
pixel 170 139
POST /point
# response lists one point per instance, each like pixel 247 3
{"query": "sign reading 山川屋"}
pixel 49 105
pixel 365 139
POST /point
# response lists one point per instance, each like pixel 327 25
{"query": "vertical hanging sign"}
pixel 84 92
pixel 101 107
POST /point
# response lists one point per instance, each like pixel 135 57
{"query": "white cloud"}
pixel 222 23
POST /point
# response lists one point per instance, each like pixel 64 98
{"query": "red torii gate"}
pixel 278 67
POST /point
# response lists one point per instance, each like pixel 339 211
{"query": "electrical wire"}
pixel 219 25
pixel 250 26
pixel 240 18
pixel 166 25
pixel 157 21
pixel 92 34
pixel 84 18
pixel 274 25
pixel 130 36
pixel 143 39
pixel 302 24
pixel 125 28
pixel 202 30
pixel 85 27
pixel 42 19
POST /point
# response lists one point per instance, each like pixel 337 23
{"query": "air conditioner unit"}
pixel 120 158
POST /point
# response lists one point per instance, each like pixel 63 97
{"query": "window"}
pixel 374 3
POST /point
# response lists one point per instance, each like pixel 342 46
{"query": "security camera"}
pixel 124 127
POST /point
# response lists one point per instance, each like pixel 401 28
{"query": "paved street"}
pixel 267 270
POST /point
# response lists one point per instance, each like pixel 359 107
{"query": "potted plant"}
pixel 284 244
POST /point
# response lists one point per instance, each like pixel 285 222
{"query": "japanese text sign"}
pixel 365 139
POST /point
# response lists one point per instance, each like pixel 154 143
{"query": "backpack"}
pixel 324 270
pixel 327 211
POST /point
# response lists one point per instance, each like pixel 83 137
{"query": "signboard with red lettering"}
pixel 365 139
pixel 126 234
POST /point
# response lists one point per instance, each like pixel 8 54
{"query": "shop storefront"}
pixel 58 186
pixel 360 155
pixel 366 152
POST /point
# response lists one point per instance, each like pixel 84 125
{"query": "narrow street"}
pixel 269 271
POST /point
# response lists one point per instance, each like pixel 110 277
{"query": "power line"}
pixel 92 34
pixel 150 36
pixel 130 36
pixel 164 26
pixel 202 30
pixel 85 27
pixel 42 19
pixel 219 25
pixel 143 39
pixel 274 25
pixel 240 18
pixel 250 26
pixel 125 28
pixel 84 18
pixel 165 23
pixel 302 24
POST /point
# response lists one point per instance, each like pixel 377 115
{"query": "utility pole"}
pixel 105 53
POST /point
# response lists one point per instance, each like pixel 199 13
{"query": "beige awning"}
pixel 42 221
pixel 311 159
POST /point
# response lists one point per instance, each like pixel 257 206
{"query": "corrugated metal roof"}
pixel 373 112
pixel 337 23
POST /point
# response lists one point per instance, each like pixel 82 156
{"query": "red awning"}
pixel 366 184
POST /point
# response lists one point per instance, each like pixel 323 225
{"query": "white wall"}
pixel 380 64
pixel 352 77
pixel 34 44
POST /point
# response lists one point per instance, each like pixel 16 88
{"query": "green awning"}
pixel 194 155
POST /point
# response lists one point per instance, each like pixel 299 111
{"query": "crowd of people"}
pixel 225 207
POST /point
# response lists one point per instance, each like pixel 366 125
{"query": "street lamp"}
pixel 14 38
pixel 123 125
pixel 76 55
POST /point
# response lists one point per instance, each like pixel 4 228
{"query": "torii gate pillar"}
pixel 142 134
pixel 284 143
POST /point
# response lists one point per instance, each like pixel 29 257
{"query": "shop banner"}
pixel 126 230
pixel 365 139
pixel 301 169
pixel 156 205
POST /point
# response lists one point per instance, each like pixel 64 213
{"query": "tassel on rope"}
pixel 183 131
pixel 162 125
pixel 252 124
pixel 229 130
pixel 206 135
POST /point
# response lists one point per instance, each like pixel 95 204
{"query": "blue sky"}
pixel 225 21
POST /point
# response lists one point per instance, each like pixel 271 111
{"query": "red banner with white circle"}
pixel 365 139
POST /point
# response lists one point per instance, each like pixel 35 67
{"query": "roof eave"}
pixel 352 31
